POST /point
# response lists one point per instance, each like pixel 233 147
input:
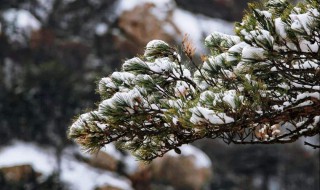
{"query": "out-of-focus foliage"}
pixel 47 71
pixel 262 167
pixel 30 181
pixel 224 9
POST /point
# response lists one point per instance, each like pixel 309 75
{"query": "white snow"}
pixel 306 65
pixel 228 39
pixel 84 119
pixel 126 77
pixel 199 26
pixel 101 126
pixel 229 97
pixel 267 14
pixel 206 94
pixel 176 103
pixel 277 107
pixel 154 106
pixel 163 8
pixel 130 98
pixel 154 47
pixel 20 24
pixel 130 163
pixel 128 63
pixel 161 65
pixel 189 24
pixel 316 120
pixel 201 114
pixel 198 78
pixel 81 176
pixel 106 82
pixel 280 28
pixel 181 89
pixel 101 29
pixel 300 22
pixel 201 160
pixel 45 8
pixel 175 120
pixel 306 103
pixel 186 73
pixel 78 175
pixel 299 66
pixel 241 67
pixel 106 103
pixel 214 61
pixel 261 36
pixel 21 19
pixel 307 46
pixel 307 94
pixel 18 153
pixel 227 73
pixel 209 25
pixel 315 87
pixel 155 44
pixel 79 123
pixel 249 52
pixel 238 47
pixel 126 5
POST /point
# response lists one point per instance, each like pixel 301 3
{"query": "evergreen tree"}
pixel 261 86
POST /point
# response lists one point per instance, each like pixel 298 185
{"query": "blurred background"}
pixel 53 52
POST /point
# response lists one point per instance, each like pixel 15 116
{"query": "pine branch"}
pixel 259 87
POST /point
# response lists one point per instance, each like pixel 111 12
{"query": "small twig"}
pixel 312 145
pixel 189 51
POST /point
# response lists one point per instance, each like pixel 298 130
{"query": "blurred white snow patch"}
pixel 315 140
pixel 111 150
pixel 101 29
pixel 189 24
pixel 201 160
pixel 210 25
pixel 161 5
pixel 198 26
pixel 41 159
pixel 81 176
pixel 78 175
pixel 21 19
pixel 20 23
pixel 129 162
pixel 45 8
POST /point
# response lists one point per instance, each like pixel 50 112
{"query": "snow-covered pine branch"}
pixel 261 86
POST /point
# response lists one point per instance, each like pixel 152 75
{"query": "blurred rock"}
pixel 103 160
pixel 19 173
pixel 140 25
pixel 141 178
pixel 43 38
pixel 182 172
